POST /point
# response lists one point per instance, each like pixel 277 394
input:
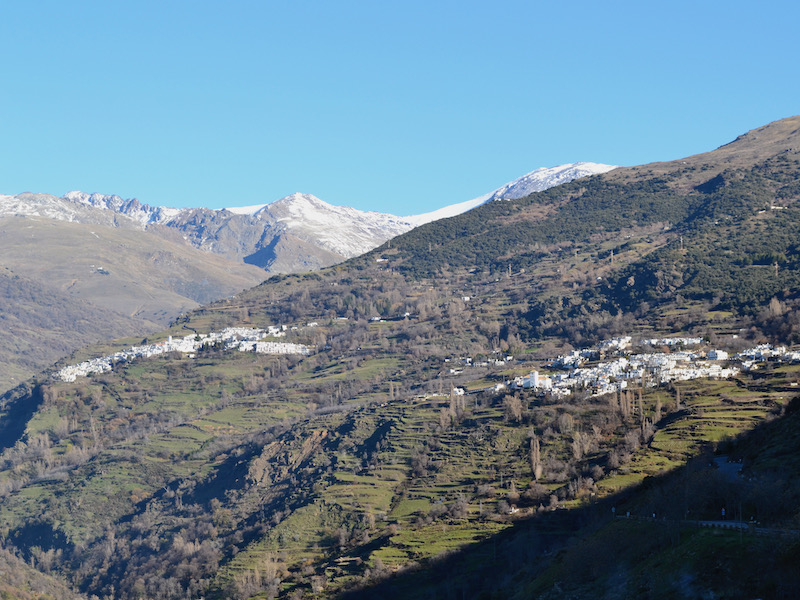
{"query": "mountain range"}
pixel 134 267
pixel 413 450
pixel 299 232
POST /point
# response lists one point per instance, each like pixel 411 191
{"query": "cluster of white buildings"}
pixel 648 369
pixel 574 359
pixel 615 345
pixel 764 352
pixel 675 341
pixel 466 361
pixel 245 339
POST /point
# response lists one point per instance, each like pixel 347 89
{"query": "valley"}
pixel 423 446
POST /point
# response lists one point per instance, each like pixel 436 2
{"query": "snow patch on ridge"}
pixel 340 229
pixel 535 181
pixel 448 211
pixel 39 205
pixel 244 210
pixel 547 177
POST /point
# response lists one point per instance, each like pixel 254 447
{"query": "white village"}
pixel 243 339
pixel 645 369
pixel 580 370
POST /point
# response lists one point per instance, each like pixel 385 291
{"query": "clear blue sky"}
pixel 400 107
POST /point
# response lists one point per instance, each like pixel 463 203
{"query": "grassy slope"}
pixel 683 561
pixel 585 553
pixel 349 497
pixel 131 272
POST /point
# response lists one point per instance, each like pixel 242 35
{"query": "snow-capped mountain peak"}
pixel 547 177
pixel 297 198
pixel 112 202
pixel 300 205
pixel 132 208
pixel 340 229
pixel 297 232
pixel 535 181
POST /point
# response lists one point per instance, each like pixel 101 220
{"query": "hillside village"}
pixel 645 369
pixel 244 339
pixel 580 370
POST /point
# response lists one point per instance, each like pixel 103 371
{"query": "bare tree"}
pixel 513 408
pixel 535 457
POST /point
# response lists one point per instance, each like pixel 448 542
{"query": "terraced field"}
pixel 709 412
pixel 335 488
pixel 401 502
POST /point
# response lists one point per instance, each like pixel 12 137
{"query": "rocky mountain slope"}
pixel 405 456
